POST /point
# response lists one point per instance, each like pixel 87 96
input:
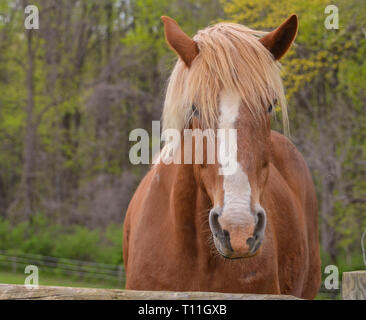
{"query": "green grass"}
pixel 48 280
pixel 325 296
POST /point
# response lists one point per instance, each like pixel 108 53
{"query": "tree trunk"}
pixel 30 134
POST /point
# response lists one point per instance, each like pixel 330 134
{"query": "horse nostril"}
pixel 250 242
pixel 260 225
pixel 214 222
pixel 222 235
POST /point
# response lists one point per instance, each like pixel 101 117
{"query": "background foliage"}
pixel 73 90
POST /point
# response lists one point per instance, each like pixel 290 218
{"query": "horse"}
pixel 191 227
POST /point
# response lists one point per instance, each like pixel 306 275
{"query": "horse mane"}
pixel 230 59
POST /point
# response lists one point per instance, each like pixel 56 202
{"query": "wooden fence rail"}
pixel 20 292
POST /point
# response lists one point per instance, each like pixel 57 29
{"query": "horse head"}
pixel 231 75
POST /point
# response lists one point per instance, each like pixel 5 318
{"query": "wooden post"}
pixel 354 285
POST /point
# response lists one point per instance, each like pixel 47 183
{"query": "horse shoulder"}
pixel 294 172
pixel 291 165
pixel 134 210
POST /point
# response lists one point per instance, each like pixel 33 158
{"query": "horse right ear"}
pixel 183 45
pixel 279 40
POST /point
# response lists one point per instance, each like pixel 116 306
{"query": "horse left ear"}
pixel 279 40
pixel 183 45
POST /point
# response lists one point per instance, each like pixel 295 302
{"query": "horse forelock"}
pixel 230 59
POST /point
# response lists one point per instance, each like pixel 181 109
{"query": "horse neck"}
pixel 189 206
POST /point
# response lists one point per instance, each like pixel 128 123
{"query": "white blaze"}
pixel 236 184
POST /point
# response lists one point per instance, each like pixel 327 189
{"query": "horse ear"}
pixel 183 45
pixel 279 40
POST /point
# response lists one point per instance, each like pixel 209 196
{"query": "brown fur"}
pixel 167 240
pixel 184 46
pixel 278 41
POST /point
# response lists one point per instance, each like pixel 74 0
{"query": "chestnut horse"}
pixel 190 227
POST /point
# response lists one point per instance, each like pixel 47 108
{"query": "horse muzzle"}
pixel 236 241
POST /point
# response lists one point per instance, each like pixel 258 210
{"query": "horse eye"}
pixel 270 109
pixel 195 111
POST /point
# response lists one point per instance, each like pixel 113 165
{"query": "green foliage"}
pixel 44 237
pixel 80 244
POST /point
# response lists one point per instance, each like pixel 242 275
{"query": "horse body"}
pixel 247 225
pixel 166 233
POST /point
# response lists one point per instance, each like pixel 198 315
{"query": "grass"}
pixel 328 296
pixel 49 280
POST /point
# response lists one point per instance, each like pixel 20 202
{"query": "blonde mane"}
pixel 230 59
